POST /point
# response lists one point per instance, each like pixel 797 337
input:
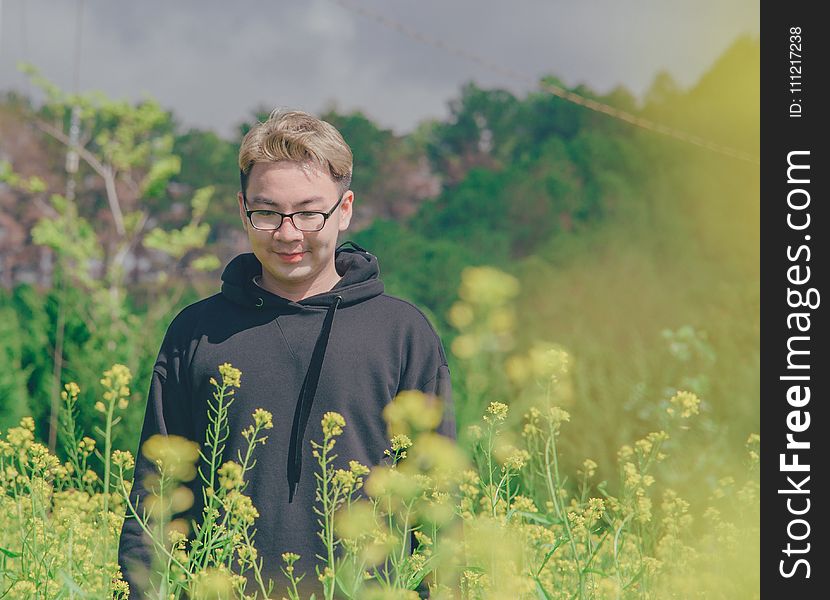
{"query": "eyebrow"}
pixel 301 203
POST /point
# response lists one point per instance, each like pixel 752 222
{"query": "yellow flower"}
pixel 596 506
pixel 753 446
pixel 516 459
pixel 643 509
pixel 230 376
pixel 333 424
pixel 625 452
pixel 263 419
pixel 486 286
pixel 548 361
pixel 327 574
pixel 465 346
pixel 175 535
pixel 474 432
pixel 686 402
pixel 241 509
pixel 230 475
pixel 86 445
pixel 517 368
pixel 498 412
pixel 358 469
pixel 71 390
pixel 355 521
pixel 556 416
pixel 411 412
pixel 437 457
pixel 181 499
pixel 174 455
pixel 213 584
pixel 501 320
pixel 589 468
pixel 524 504
pixel 344 480
pixel 401 442
pixel 423 539
pixel 123 459
pixel 116 382
pixel 460 315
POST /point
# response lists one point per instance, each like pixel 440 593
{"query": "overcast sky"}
pixel 212 62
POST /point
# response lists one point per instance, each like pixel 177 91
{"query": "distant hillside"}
pixel 554 165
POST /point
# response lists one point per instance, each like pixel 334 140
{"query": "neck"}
pixel 303 289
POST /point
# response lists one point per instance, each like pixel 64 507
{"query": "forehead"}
pixel 287 181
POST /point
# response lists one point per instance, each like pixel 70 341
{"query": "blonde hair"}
pixel 296 136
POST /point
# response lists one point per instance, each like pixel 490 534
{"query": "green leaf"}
pixel 160 173
pixel 539 518
pixel 201 200
pixel 206 263
pixel 553 549
pixel 541 591
pixel 9 553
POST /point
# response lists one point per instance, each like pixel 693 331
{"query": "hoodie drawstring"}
pixel 306 399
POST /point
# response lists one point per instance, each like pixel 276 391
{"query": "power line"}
pixel 556 90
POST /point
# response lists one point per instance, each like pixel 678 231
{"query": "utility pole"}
pixel 71 167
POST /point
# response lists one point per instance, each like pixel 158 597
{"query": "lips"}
pixel 291 257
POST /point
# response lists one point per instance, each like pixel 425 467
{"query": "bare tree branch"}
pixel 105 171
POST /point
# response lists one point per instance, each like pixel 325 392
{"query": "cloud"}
pixel 212 62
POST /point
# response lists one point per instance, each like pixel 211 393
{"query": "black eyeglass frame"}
pixel 284 216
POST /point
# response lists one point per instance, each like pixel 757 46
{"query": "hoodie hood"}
pixel 359 281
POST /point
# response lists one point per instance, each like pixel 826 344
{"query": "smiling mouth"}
pixel 291 258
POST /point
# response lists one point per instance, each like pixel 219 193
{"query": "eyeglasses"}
pixel 304 220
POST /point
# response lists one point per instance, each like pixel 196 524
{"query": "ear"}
pixel 241 201
pixel 345 210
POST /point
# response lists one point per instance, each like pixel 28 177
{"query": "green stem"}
pixel 490 455
pixel 403 542
pixel 107 474
pixel 142 522
pixel 554 488
pixel 213 439
pixel 617 556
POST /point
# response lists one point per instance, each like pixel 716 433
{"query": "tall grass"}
pixel 514 510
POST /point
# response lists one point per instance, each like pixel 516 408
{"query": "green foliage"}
pixel 209 161
pixel 404 253
pixel 33 185
pixel 14 397
pixel 369 143
pixel 28 335
pixel 71 237
pixel 639 254
pixel 155 182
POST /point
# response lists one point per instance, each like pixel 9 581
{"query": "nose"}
pixel 287 231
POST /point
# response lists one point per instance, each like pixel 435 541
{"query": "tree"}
pixel 129 147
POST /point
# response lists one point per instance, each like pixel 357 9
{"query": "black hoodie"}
pixel 349 350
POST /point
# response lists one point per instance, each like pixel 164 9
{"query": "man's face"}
pixel 295 262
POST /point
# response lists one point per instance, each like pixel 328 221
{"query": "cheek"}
pixel 258 239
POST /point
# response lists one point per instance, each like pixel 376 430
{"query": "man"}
pixel 311 329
